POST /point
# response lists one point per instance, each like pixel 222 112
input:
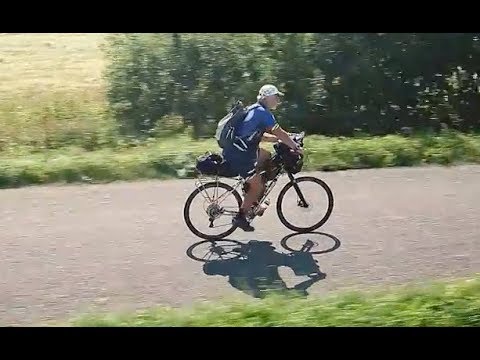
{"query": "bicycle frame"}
pixel 240 182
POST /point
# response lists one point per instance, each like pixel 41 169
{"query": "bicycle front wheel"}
pixel 211 207
pixel 305 204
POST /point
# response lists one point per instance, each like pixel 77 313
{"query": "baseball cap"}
pixel 268 90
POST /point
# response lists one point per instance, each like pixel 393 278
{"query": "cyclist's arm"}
pixel 269 138
pixel 275 129
pixel 282 135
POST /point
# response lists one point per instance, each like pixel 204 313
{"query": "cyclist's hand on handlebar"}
pixel 289 134
pixel 298 150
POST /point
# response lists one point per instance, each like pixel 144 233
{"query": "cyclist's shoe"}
pixel 240 221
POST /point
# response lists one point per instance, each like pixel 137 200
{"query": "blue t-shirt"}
pixel 251 130
pixel 256 122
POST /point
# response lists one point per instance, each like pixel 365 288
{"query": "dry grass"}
pixel 52 90
pixel 32 65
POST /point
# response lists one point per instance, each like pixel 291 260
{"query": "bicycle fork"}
pixel 302 203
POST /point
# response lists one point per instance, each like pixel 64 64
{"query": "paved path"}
pixel 70 249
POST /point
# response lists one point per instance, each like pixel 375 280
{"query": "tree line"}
pixel 334 84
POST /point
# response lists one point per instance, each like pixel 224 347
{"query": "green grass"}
pixel 454 303
pixel 175 158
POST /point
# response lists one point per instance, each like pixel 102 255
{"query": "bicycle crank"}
pixel 308 246
pixel 217 249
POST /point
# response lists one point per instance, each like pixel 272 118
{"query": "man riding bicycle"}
pixel 246 158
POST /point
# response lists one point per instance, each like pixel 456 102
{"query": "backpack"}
pixel 226 128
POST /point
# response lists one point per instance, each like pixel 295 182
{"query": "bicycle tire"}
pixel 192 256
pixel 322 221
pixel 336 243
pixel 186 209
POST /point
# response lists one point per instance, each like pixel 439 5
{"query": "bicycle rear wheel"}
pixel 217 250
pixel 213 208
pixel 307 194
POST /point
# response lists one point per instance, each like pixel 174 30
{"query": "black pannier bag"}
pixel 293 162
pixel 212 164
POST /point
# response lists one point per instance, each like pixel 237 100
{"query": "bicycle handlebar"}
pixel 297 137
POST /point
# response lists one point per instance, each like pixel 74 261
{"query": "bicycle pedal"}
pixel 260 213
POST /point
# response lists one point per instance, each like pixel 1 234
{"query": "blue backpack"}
pixel 226 128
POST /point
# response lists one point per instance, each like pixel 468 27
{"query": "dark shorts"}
pixel 241 163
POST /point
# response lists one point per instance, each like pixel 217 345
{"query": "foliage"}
pixel 335 84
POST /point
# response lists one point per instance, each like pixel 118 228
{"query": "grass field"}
pixel 447 303
pixel 32 65
pixel 52 91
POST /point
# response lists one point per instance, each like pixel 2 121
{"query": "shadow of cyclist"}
pixel 254 269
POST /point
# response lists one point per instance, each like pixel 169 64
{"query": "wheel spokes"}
pixel 211 210
pixel 305 204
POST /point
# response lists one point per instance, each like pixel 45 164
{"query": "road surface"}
pixel 66 250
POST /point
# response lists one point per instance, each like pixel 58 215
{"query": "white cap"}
pixel 268 90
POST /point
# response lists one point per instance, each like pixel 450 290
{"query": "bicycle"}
pixel 283 161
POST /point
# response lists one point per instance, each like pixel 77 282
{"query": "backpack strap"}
pixel 253 106
pixel 238 142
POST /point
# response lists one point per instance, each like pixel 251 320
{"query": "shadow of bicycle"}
pixel 253 267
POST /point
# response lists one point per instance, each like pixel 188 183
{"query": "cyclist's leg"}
pixel 245 167
pixel 263 159
pixel 256 187
pixel 243 164
pixel 263 166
